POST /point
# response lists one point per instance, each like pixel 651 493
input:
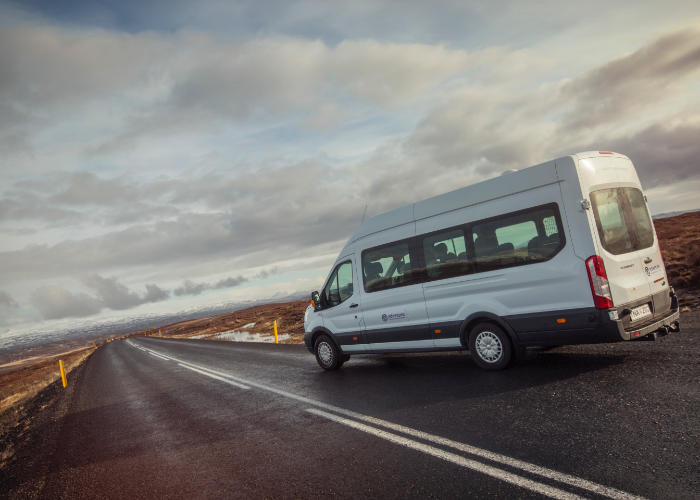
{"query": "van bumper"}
pixel 661 326
pixel 307 342
pixel 588 326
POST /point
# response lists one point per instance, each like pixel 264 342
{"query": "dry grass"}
pixel 679 239
pixel 19 386
pixel 289 317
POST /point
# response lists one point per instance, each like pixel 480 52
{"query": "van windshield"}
pixel 622 220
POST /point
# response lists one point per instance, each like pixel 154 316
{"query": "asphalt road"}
pixel 161 418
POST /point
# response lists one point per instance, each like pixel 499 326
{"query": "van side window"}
pixel 523 237
pixel 389 266
pixel 339 287
pixel 446 254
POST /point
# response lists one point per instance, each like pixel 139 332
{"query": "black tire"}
pixel 494 351
pixel 327 353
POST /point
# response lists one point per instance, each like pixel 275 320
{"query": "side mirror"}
pixel 315 301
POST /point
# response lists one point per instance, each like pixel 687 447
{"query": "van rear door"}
pixel 618 246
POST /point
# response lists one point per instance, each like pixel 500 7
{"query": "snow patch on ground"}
pixel 239 336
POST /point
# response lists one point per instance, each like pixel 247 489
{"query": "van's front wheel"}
pixel 490 347
pixel 327 353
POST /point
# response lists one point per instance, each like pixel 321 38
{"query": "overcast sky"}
pixel 160 155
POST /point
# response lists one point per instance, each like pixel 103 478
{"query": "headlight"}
pixel 306 315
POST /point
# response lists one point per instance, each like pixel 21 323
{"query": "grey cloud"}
pixel 8 309
pixel 483 130
pixel 662 154
pixel 6 300
pixel 55 303
pixel 273 225
pixel 117 296
pixel 48 68
pixel 87 188
pixel 154 294
pixel 296 210
pixel 627 84
pixel 191 288
pixel 169 84
pixel 140 213
pixel 25 206
pixel 266 273
pixel 229 282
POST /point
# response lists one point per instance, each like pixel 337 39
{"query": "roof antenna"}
pixel 363 215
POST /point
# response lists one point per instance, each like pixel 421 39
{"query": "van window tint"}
pixel 622 220
pixel 640 216
pixel 514 239
pixel 446 254
pixel 339 287
pixel 388 266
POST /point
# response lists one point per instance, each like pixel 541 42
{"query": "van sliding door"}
pixel 393 306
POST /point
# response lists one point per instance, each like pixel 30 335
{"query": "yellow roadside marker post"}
pixel 276 339
pixel 159 333
pixel 94 345
pixel 63 373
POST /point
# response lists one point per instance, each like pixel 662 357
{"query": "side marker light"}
pixel 635 334
pixel 354 338
pixel 438 331
pixel 604 152
pixel 561 320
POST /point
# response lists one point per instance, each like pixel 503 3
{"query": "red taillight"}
pixel 600 287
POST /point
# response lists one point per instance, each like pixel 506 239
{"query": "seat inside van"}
pixel 540 247
pixel 486 248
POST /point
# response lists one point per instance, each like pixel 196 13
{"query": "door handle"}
pixel 353 305
pixel 647 260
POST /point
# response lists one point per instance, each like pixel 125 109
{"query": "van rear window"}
pixel 622 220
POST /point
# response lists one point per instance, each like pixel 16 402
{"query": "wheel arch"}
pixel 320 330
pixel 485 317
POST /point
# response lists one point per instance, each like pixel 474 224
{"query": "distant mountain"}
pixel 99 329
pixel 673 214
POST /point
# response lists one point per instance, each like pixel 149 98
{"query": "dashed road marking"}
pixel 500 474
pixel 215 376
pixel 495 457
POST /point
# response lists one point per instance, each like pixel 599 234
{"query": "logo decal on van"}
pixel 652 270
pixel 401 316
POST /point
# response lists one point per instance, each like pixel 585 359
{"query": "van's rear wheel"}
pixel 490 347
pixel 327 353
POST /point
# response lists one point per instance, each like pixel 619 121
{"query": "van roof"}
pixel 593 154
pixel 473 194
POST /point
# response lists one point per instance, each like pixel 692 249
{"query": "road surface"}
pixel 163 418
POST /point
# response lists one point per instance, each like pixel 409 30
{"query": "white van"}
pixel 560 253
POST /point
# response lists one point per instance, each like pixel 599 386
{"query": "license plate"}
pixel 640 312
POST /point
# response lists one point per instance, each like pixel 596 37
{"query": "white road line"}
pixel 496 457
pixel 216 377
pixel 455 459
pixel 158 356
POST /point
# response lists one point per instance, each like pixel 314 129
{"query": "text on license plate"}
pixel 640 312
